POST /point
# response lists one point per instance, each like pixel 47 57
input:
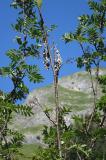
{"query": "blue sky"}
pixel 64 14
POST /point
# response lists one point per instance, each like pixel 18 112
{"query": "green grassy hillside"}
pixel 74 91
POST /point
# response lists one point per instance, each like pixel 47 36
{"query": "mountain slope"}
pixel 75 91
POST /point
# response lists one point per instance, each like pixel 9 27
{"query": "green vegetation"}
pixel 17 70
pixel 33 130
pixel 84 137
pixel 75 99
pixel 28 151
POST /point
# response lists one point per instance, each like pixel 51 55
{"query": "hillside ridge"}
pixel 74 91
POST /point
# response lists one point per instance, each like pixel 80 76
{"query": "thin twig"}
pixel 94 89
pixel 94 101
pixel 48 116
pixel 79 156
pixel 55 74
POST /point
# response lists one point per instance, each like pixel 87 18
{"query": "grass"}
pixel 28 151
pixel 34 129
pixel 75 99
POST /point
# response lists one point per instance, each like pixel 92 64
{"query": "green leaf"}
pixel 68 37
pixel 19 41
pixel 39 3
pixel 33 74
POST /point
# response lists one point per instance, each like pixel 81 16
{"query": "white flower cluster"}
pixel 58 60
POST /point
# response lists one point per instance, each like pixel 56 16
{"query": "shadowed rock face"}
pixel 75 91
